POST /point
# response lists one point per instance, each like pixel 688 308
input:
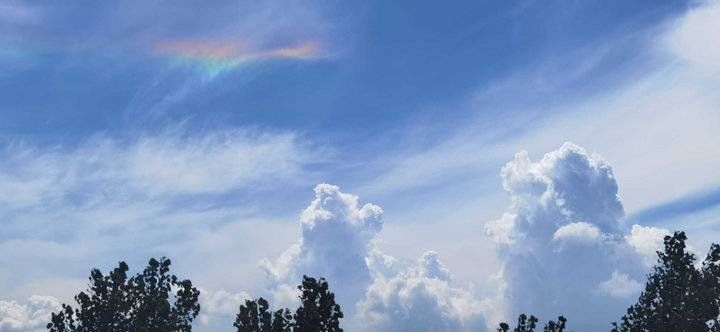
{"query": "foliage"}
pixel 678 297
pixel 255 317
pixel 318 312
pixel 151 301
pixel 528 324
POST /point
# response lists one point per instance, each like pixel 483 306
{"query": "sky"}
pixel 445 166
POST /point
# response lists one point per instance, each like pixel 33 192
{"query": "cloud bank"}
pixel 562 243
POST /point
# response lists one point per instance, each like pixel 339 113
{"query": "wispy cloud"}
pixel 662 116
pixel 170 164
pixel 72 207
pixel 688 204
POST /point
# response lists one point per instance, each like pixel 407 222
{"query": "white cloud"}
pixel 31 315
pixel 150 167
pixel 338 243
pixel 549 197
pixel 578 232
pixel 567 185
pixel 694 38
pixel 664 113
pixel 420 299
pixel 73 207
pixel 337 239
pixel 647 241
pixel 620 285
pixel 211 163
pixel 218 309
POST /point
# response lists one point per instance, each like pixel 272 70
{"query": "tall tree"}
pixel 678 297
pixel 151 301
pixel 318 312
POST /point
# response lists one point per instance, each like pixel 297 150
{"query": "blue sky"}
pixel 199 130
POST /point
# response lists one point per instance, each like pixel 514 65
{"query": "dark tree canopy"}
pixel 318 312
pixel 151 301
pixel 553 326
pixel 528 324
pixel 254 316
pixel 678 297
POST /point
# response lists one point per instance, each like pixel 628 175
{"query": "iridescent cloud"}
pixel 213 57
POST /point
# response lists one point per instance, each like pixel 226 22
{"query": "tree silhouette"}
pixel 318 312
pixel 558 326
pixel 143 303
pixel 528 324
pixel 678 297
pixel 255 317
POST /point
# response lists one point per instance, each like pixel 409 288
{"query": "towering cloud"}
pixel 561 241
pixel 337 241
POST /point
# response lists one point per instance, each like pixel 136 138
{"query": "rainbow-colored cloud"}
pixel 214 57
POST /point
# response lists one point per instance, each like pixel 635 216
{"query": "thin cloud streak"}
pixel 689 204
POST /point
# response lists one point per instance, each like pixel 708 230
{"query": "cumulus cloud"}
pixel 32 315
pixel 422 298
pixel 562 239
pixel 337 239
pixel 377 292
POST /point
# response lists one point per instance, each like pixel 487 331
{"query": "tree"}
pixel 151 301
pixel 711 287
pixel 528 324
pixel 678 297
pixel 281 321
pixel 558 326
pixel 255 317
pixel 318 312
